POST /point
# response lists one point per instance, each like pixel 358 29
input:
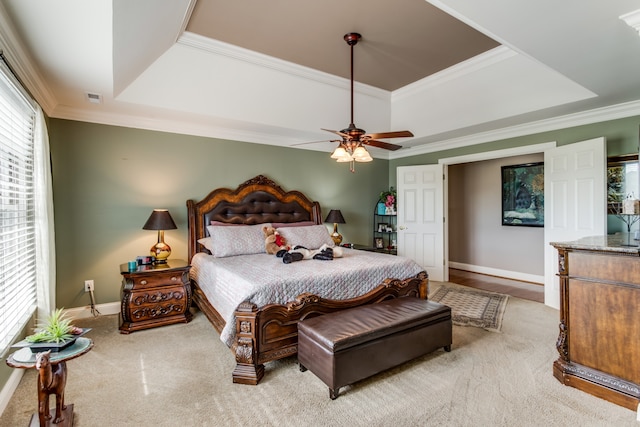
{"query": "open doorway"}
pixel 480 251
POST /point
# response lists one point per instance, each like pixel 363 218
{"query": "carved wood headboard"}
pixel 256 201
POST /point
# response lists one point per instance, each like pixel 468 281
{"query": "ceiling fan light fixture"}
pixel 346 158
pixel 361 154
pixel 340 153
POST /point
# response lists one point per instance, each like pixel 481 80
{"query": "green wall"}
pixel 107 180
pixel 621 135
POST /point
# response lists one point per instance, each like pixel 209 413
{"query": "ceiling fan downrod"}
pixel 352 39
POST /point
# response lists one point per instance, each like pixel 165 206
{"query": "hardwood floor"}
pixel 518 289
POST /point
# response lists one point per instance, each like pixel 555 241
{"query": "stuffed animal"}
pixel 273 242
pixel 298 253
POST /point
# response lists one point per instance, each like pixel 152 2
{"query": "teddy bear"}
pixel 273 242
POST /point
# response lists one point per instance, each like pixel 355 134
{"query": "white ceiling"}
pixel 556 64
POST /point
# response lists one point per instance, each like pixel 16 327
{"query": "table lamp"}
pixel 335 216
pixel 160 220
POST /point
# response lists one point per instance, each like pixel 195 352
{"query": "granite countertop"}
pixel 623 243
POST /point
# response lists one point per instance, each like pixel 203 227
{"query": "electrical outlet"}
pixel 88 285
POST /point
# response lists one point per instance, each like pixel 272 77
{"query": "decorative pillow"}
pixel 230 241
pixel 207 242
pixel 292 224
pixel 311 237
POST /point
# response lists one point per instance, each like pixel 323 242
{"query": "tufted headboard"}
pixel 256 201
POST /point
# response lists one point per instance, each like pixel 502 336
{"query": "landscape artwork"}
pixel 523 195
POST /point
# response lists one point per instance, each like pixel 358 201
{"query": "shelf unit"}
pixel 384 230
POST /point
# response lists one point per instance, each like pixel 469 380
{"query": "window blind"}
pixel 17 208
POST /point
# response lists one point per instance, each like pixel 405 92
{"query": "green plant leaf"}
pixel 56 329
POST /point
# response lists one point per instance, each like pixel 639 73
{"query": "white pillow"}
pixel 311 237
pixel 207 242
pixel 230 241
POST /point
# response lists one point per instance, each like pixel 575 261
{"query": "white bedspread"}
pixel 263 279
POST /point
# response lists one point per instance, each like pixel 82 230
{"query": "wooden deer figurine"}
pixel 51 380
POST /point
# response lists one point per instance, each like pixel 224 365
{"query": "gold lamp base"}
pixel 337 237
pixel 160 250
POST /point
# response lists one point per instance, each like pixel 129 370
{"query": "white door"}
pixel 421 218
pixel 575 202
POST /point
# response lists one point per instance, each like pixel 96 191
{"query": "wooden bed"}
pixel 269 332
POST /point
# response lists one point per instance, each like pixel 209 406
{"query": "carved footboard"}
pixel 271 332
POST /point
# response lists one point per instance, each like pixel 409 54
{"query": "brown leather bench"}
pixel 346 346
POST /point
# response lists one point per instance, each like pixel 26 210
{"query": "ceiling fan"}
pixel 353 138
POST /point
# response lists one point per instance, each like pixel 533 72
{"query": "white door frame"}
pixel 478 157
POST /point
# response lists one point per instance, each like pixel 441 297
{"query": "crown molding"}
pixel 209 130
pixel 471 65
pixel 22 64
pixel 613 112
pixel 632 19
pixel 204 128
pixel 186 18
pixel 165 123
pixel 217 47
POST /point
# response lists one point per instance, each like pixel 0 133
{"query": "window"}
pixel 622 181
pixel 18 284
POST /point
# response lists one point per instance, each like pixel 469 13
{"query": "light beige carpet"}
pixel 180 375
pixel 472 307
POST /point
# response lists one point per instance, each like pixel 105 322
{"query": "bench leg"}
pixel 333 393
pixel 447 347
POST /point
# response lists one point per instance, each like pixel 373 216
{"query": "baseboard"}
pixel 9 388
pixel 525 277
pixel 83 312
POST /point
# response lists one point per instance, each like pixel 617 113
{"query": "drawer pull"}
pixel 174 278
pixel 143 282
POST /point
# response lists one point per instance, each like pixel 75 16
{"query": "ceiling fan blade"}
pixel 344 135
pixel 314 142
pixel 383 135
pixel 381 144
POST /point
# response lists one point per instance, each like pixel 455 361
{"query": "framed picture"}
pixel 382 227
pixel 379 243
pixel 523 195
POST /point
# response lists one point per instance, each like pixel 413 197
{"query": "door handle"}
pixel 402 227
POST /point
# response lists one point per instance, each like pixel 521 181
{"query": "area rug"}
pixel 473 307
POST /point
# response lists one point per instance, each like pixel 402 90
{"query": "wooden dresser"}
pixel 155 295
pixel 599 340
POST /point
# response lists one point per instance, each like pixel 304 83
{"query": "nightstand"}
pixel 155 295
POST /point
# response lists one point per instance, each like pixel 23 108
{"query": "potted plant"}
pixel 387 202
pixel 55 334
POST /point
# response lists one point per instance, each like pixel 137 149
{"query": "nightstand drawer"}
pixel 157 303
pixel 156 296
pixel 152 281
